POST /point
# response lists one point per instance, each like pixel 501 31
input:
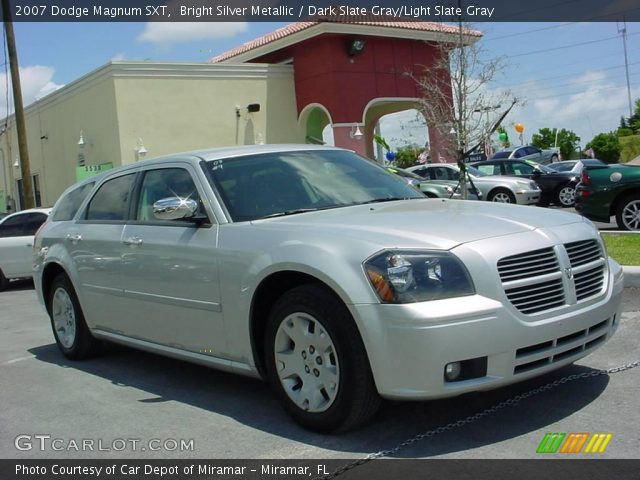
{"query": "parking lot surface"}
pixel 138 405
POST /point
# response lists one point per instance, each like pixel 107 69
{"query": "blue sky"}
pixel 579 87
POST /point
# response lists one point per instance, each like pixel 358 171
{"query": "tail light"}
pixel 585 179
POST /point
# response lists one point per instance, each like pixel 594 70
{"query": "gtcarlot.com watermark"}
pixel 48 443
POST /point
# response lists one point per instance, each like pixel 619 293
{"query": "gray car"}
pixel 314 269
pixel 494 188
pixel 529 152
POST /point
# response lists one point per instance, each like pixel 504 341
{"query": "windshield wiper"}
pixel 389 199
pixel 295 211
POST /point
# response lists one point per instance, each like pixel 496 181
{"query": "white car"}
pixel 317 270
pixel 16 243
pixel 494 188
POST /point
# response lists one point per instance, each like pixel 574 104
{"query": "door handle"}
pixel 75 238
pixel 132 241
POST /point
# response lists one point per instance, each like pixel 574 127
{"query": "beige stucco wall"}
pixel 53 130
pixel 172 107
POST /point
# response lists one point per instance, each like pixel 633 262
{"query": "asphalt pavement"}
pixel 126 397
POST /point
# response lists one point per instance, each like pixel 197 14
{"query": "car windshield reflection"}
pixel 286 183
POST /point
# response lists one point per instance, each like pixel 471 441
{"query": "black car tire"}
pixel 501 193
pixel 4 282
pixel 630 203
pixel 561 195
pixel 84 345
pixel 356 399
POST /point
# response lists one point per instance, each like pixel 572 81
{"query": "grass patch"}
pixel 630 148
pixel 624 248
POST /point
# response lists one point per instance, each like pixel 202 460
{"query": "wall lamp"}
pixel 356 132
pixel 140 149
pixel 251 108
pixel 355 47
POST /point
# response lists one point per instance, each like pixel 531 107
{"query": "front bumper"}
pixel 409 345
pixel 528 197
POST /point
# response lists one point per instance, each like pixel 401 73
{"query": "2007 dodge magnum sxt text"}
pixel 316 269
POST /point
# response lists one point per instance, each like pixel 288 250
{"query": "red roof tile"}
pixel 368 20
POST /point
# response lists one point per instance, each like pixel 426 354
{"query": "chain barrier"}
pixel 473 418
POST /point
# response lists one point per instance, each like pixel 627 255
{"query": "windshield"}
pixel 284 183
pixel 502 154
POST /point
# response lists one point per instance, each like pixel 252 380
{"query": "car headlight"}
pixel 534 186
pixel 401 276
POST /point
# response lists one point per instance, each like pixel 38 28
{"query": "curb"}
pixel 631 276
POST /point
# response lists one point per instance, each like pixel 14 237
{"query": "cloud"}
pixel 36 82
pixel 167 33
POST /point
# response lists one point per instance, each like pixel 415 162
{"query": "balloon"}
pixel 503 136
pixel 390 156
pixel 519 127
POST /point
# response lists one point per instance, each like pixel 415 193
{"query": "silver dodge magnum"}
pixel 317 270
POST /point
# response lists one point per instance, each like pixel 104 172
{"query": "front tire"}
pixel 67 321
pixel 502 195
pixel 566 196
pixel 316 361
pixel 628 213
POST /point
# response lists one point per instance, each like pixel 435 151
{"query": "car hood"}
pixel 429 223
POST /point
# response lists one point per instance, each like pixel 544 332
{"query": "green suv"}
pixel 614 190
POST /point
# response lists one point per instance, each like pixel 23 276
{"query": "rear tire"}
pixel 566 196
pixel 316 361
pixel 628 213
pixel 502 195
pixel 67 321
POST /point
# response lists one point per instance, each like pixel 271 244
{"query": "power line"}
pixel 571 45
pixel 566 75
pixel 566 94
pixel 526 32
pixel 576 83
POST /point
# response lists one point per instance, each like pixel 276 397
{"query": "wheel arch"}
pixel 270 289
pixel 49 273
pixel 634 190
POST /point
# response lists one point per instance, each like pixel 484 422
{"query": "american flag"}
pixel 488 149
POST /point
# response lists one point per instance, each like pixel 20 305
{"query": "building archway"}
pixel 312 121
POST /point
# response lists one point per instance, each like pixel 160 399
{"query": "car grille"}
pixel 533 281
pixel 555 350
pixel 536 296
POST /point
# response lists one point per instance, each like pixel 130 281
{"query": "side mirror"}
pixel 537 173
pixel 175 208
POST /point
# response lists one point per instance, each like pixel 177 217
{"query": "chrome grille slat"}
pixel 535 282
pixel 539 292
pixel 583 252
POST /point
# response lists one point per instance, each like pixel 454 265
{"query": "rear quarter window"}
pixel 70 203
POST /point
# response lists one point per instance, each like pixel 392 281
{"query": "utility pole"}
pixel 21 128
pixel 623 31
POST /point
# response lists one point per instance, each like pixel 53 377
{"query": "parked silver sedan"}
pixel 313 268
pixel 529 152
pixel 494 188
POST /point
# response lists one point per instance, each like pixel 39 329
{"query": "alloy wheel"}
pixel 567 196
pixel 631 215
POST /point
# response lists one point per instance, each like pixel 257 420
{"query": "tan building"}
pixel 284 87
pixel 127 111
